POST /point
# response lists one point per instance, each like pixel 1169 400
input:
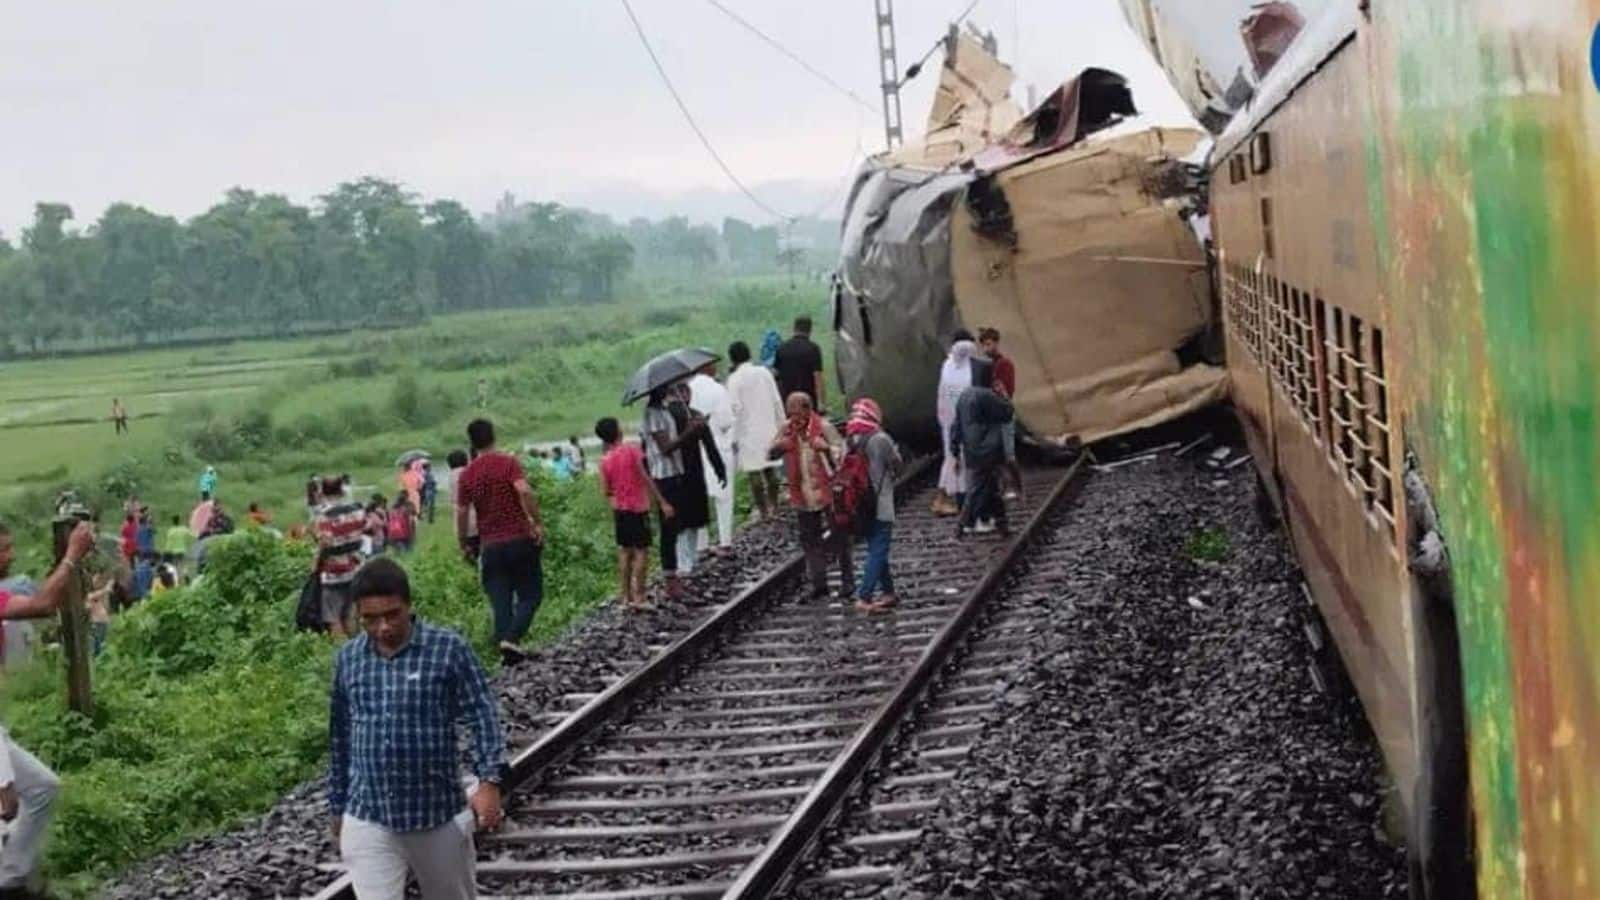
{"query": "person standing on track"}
pixel 712 400
pixel 693 506
pixel 629 490
pixel 758 416
pixel 799 366
pixel 510 534
pixel 27 787
pixel 664 446
pixel 864 433
pixel 978 440
pixel 1005 384
pixel 954 377
pixel 808 445
pixel 399 690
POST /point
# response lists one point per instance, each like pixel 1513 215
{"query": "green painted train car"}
pixel 1406 240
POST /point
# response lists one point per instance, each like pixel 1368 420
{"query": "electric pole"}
pixel 889 69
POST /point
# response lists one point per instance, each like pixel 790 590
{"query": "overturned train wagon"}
pixel 1082 257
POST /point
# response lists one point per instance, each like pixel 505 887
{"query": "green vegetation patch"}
pixel 1210 544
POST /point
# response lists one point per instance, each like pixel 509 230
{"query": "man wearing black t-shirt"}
pixel 799 365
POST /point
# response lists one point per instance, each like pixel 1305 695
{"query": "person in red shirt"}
pixel 629 489
pixel 27 787
pixel 510 537
pixel 1005 384
pixel 130 537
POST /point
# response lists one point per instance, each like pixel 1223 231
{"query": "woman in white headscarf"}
pixel 954 377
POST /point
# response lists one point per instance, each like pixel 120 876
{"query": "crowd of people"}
pixel 402 687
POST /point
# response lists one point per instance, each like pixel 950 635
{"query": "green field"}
pixel 269 414
pixel 208 704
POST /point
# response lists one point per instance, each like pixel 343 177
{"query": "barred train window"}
pixel 1359 417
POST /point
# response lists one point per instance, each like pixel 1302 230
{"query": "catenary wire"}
pixel 693 125
pixel 823 76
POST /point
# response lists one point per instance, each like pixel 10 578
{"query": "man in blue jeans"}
pixel 865 431
pixel 510 537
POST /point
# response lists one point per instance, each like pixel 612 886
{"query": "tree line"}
pixel 368 252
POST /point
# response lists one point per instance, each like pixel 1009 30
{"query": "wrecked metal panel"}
pixel 1199 44
pixel 1096 99
pixel 972 108
pixel 894 303
pixel 1103 286
pixel 1323 35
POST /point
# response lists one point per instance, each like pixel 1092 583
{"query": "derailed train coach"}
pixel 1406 236
pixel 1071 230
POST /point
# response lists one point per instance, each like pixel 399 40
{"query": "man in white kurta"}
pixel 711 399
pixel 757 416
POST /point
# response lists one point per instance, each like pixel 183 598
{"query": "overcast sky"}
pixel 168 104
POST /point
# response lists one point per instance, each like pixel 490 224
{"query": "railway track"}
pixel 712 768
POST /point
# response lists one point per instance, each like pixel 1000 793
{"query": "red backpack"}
pixel 399 525
pixel 855 502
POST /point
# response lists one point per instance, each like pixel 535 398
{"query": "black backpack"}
pixel 308 612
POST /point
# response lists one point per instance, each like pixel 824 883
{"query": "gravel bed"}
pixel 1161 736
pixel 275 855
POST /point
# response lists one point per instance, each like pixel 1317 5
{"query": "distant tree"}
pixel 604 261
pixel 460 253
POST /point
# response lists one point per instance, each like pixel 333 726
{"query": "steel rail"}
pixel 793 840
pixel 567 737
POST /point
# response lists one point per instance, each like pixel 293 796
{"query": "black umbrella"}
pixel 666 369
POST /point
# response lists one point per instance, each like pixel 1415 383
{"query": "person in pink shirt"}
pixel 629 489
pixel 200 519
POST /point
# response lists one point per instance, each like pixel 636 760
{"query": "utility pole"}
pixel 889 70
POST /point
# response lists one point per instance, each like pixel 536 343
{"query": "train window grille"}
pixel 1253 316
pixel 1381 463
pixel 1341 447
pixel 1319 324
pixel 1284 325
pixel 1359 416
pixel 1273 343
pixel 1304 368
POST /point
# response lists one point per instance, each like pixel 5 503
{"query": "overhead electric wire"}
pixel 916 67
pixel 695 126
pixel 823 76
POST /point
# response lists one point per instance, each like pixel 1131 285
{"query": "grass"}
pixel 1209 544
pixel 209 705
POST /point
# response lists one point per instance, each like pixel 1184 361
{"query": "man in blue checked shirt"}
pixel 393 777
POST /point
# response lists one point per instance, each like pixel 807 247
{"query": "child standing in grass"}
pixel 629 489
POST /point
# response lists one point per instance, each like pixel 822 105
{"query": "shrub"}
pixel 1209 544
pixel 215 440
pixel 254 428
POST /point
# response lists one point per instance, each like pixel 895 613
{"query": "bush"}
pixel 364 366
pixel 214 440
pixel 254 429
pixel 416 405
pixel 1208 545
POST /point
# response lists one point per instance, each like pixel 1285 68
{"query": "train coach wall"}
pixel 1483 166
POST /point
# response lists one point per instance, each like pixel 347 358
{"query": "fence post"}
pixel 74 625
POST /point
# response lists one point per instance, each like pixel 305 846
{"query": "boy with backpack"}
pixel 864 500
pixel 402 525
pixel 628 488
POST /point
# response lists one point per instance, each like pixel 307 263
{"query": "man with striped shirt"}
pixel 339 525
